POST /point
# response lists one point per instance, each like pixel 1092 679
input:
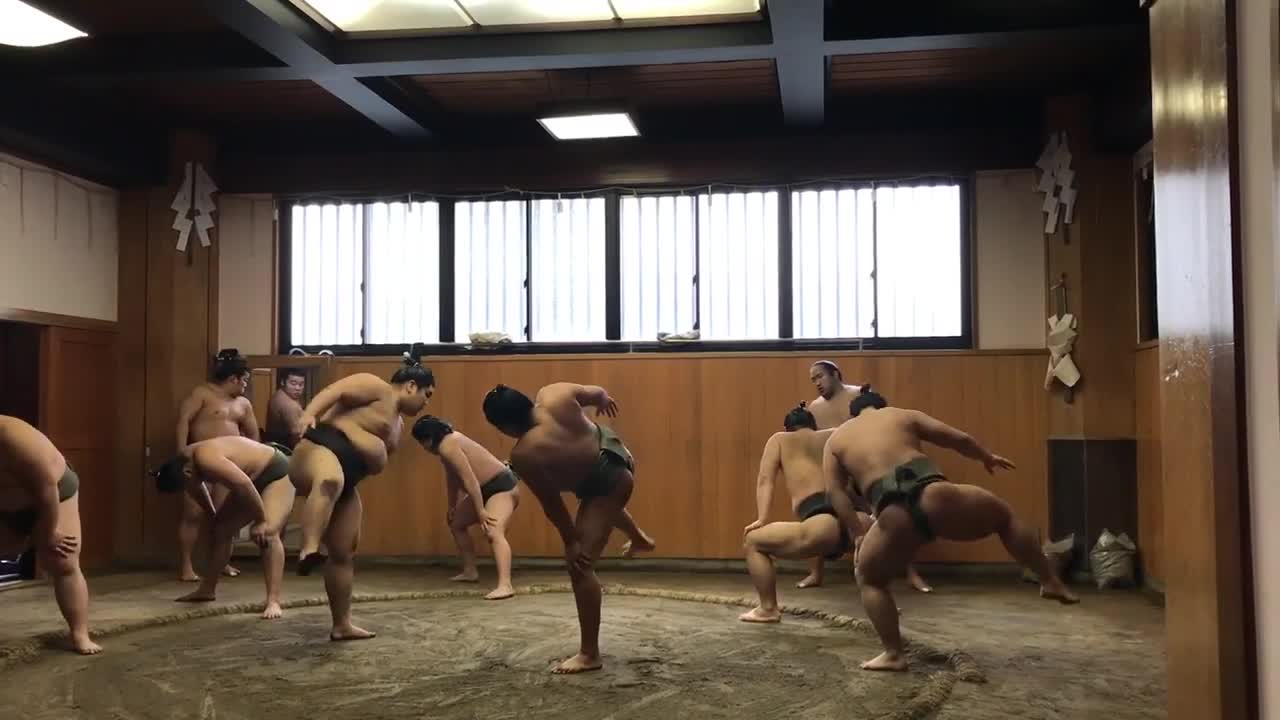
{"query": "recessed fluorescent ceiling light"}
pixel 636 9
pixel 594 125
pixel 25 26
pixel 536 12
pixel 381 15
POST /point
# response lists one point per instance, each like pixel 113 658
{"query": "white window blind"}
pixel 327 266
pixel 568 273
pixel 738 265
pixel 403 287
pixel 658 242
pixel 832 263
pixel 490 256
pixel 918 267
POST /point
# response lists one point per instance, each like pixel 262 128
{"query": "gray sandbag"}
pixel 1112 560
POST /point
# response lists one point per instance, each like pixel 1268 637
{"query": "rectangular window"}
pixel 659 265
pixel 833 263
pixel 403 278
pixel 490 249
pixel 327 264
pixel 364 273
pixel 877 262
pixel 567 272
pixel 708 261
pixel 918 263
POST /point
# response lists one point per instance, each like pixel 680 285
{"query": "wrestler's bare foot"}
pixel 272 611
pixel 230 571
pixel 350 632
pixel 467 577
pixel 577 664
pixel 85 646
pixel 810 581
pixel 197 596
pixel 1058 591
pixel 502 592
pixel 917 582
pixel 760 615
pixel 886 661
pixel 188 577
pixel 645 544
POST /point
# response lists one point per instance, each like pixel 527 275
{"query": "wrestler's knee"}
pixel 329 486
pixel 61 565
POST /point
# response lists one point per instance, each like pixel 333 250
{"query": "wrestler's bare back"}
pixel 876 442
pixel 250 456
pixel 26 457
pixel 483 464
pixel 217 415
pixel 562 446
pixel 800 454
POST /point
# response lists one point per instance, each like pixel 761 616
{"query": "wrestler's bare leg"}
pixel 343 538
pixel 789 540
pixel 501 506
pixel 318 469
pixel 220 493
pixel 232 515
pixel 968 512
pixel 189 521
pixel 464 516
pixel 596 519
pixel 277 499
pixel 882 555
pixel 638 540
pixel 814 578
pixel 69 587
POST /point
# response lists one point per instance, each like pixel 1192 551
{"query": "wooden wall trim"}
pixel 35 317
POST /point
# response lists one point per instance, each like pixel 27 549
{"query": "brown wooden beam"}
pixel 564 167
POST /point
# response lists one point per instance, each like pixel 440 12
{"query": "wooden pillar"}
pixel 168 317
pixel 1198 276
pixel 1092 450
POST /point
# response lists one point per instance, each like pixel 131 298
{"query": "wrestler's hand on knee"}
pixel 755 525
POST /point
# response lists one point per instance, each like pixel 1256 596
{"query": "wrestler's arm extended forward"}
pixel 226 472
pixel 47 503
pixel 943 435
pixel 770 462
pixel 457 462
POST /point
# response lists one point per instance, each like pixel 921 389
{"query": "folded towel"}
pixel 690 336
pixel 490 338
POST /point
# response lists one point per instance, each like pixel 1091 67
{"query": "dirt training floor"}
pixel 672 644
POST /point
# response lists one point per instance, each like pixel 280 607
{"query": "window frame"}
pixel 448 345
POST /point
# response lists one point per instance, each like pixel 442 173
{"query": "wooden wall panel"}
pixel 1146 383
pixel 76 409
pixel 1210 653
pixel 697 425
pixel 131 376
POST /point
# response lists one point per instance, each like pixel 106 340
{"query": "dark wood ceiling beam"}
pixel 280 29
pixel 1085 38
pixel 801 59
pixel 555 50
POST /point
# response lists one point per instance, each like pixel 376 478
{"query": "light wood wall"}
pixel 697 425
pixel 1146 383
